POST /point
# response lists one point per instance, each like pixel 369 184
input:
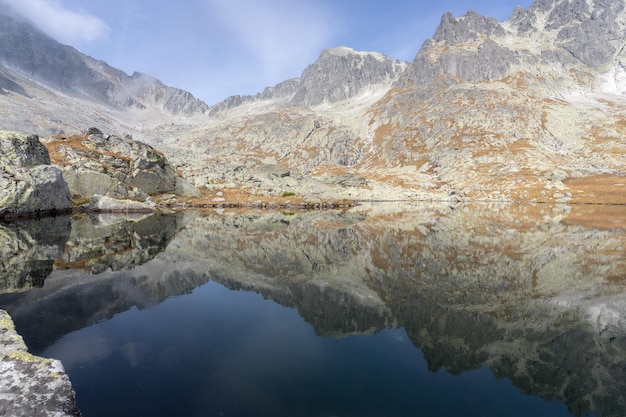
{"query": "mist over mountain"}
pixel 528 109
pixel 34 67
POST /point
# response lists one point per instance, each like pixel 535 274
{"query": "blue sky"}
pixel 218 48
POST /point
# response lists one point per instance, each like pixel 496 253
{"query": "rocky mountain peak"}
pixel 341 73
pixel 470 26
pixel 591 31
pixel 338 74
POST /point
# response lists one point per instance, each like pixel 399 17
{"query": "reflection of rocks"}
pixel 490 288
pixel 30 385
pixel 331 312
pixel 28 248
pixel 528 291
pixel 522 289
pixel 99 242
pixel 308 261
pixel 64 305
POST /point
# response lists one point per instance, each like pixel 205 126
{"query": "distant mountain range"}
pixel 529 109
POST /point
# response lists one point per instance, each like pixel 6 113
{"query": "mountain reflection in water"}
pixel 535 294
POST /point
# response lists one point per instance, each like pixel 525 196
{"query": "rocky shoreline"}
pixel 101 173
pixel 31 386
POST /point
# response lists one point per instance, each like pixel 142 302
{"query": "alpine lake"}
pixel 384 309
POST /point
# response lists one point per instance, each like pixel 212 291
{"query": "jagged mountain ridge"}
pixel 525 109
pixel 338 74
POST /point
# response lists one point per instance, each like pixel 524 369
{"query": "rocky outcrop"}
pixel 118 168
pixel 28 183
pixel 31 386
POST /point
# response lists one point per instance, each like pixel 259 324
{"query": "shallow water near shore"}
pixel 381 310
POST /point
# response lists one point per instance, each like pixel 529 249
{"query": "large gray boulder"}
pixel 28 183
pixel 120 168
pixel 31 386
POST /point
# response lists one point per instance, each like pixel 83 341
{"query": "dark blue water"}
pixel 217 352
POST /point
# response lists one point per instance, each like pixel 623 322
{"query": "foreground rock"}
pixel 28 183
pixel 31 386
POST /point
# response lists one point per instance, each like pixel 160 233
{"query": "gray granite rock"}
pixel 31 386
pixel 102 203
pixel 120 168
pixel 342 73
pixel 29 184
pixel 469 27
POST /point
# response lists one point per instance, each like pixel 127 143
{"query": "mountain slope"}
pixel 528 109
pixel 56 82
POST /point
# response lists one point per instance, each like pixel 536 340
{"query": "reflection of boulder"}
pixel 472 288
pixel 28 248
pixel 99 242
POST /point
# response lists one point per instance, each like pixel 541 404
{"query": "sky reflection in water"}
pixel 221 352
pixel 376 311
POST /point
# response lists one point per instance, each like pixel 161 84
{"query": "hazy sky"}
pixel 218 48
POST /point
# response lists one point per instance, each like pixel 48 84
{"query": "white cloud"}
pixel 65 25
pixel 282 36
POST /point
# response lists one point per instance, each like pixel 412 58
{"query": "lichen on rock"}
pixel 31 386
pixel 29 184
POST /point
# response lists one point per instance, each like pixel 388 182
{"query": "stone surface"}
pixel 31 386
pixel 119 168
pixel 103 203
pixel 28 183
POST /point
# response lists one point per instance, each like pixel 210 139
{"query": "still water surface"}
pixel 376 311
pixel 222 352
